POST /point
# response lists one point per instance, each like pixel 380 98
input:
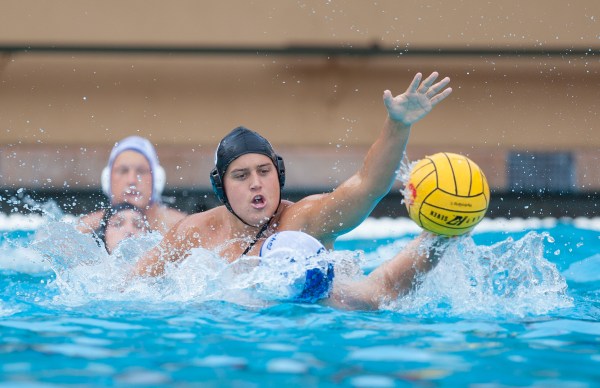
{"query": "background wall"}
pixel 76 76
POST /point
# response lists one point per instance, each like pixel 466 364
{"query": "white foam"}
pixel 587 223
pixel 20 222
pixel 25 222
pixel 506 278
pixel 22 259
pixel 370 228
pixel 396 227
pixel 382 228
pixel 514 225
pixel 19 258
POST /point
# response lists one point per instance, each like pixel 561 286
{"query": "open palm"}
pixel 418 99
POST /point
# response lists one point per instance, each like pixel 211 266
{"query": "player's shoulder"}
pixel 300 207
pixel 209 217
pixel 296 215
pixel 173 215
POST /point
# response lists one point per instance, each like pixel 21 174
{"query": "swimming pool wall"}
pixel 502 204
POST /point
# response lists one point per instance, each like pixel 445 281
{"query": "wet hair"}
pixel 100 232
pixel 238 142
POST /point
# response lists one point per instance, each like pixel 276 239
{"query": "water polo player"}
pixel 134 175
pixel 119 222
pixel 248 178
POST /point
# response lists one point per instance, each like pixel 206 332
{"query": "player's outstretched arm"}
pixel 332 214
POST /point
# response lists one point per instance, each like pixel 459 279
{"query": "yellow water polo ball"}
pixel 447 194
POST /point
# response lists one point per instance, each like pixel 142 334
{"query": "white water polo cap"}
pixel 311 275
pixel 144 147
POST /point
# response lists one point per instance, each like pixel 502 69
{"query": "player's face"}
pixel 125 224
pixel 131 179
pixel 252 187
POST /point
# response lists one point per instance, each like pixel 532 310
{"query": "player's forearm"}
pixel 402 273
pixel 151 265
pixel 383 158
pixel 354 200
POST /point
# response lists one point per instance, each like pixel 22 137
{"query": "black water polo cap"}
pixel 109 213
pixel 238 142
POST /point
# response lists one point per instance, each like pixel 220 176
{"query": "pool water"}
pixel 515 304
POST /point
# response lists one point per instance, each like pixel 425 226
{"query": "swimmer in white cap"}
pixel 134 175
pixel 248 178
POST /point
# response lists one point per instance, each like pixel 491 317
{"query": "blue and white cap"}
pixel 144 147
pixel 300 249
pixel 292 242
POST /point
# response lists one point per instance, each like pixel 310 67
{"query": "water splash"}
pixel 85 272
pixel 403 175
pixel 509 278
pixel 83 268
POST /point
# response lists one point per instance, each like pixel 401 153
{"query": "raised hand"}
pixel 418 99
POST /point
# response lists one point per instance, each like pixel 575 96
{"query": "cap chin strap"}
pixel 262 229
pixel 258 235
pixel 228 206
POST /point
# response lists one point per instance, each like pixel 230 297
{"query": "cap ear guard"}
pixel 217 184
pixel 280 170
pixel 105 181
pixel 159 179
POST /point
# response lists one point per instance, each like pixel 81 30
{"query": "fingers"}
pixel 428 82
pixel 426 87
pixel 438 98
pixel 387 98
pixel 414 85
pixel 435 89
pixel 432 91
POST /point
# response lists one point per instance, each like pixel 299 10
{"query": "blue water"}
pixel 504 308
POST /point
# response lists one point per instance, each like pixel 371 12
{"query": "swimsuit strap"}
pixel 258 235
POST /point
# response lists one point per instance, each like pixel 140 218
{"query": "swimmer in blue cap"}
pixel 297 255
pixel 134 175
pixel 248 178
pixel 310 275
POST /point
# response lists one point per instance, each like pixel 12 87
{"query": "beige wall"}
pixel 61 112
pixel 409 23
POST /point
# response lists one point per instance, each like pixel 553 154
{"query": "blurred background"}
pixel 76 76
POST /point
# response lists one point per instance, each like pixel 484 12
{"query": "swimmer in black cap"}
pixel 134 175
pixel 239 142
pixel 248 177
pixel 119 222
